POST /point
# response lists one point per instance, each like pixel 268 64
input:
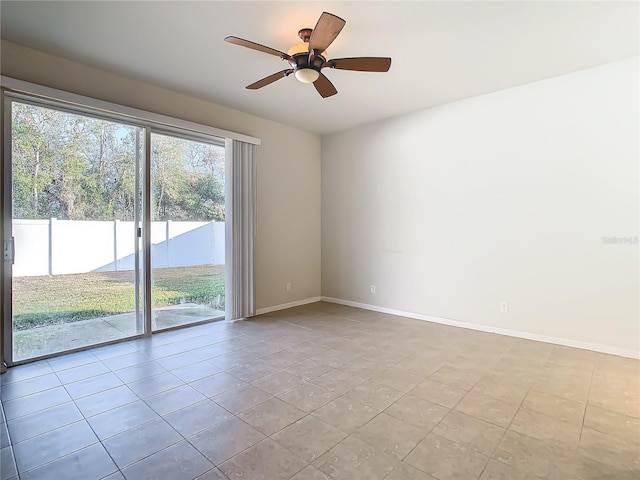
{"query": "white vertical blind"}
pixel 240 221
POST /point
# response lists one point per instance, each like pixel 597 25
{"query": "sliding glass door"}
pixel 74 242
pixel 187 231
pixel 112 230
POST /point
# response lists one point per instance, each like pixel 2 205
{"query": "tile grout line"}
pixel 430 431
pixel 586 406
pixel 84 418
pixel 506 429
pixel 451 410
pixel 10 446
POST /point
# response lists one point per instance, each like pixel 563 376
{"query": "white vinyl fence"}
pixel 54 247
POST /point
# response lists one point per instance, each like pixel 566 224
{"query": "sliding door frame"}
pixel 148 215
pixel 143 176
pixel 146 232
pixel 8 98
pixel 6 340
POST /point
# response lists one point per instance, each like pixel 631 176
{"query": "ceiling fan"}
pixel 308 58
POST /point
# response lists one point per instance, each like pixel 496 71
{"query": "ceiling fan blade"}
pixel 360 64
pixel 270 79
pixel 256 46
pixel 324 87
pixel 325 32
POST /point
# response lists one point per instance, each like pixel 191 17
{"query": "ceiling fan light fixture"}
pixel 307 75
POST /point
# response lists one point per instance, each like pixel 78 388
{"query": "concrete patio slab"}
pixel 51 339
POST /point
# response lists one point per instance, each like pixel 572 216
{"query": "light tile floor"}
pixel 323 391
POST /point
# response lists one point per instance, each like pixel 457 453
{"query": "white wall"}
pixel 288 241
pixel 502 197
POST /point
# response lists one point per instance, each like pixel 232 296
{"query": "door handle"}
pixel 10 250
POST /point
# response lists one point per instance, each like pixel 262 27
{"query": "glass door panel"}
pixel 187 231
pixel 75 214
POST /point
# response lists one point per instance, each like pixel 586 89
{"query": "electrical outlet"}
pixel 288 287
pixel 504 307
pixel 373 289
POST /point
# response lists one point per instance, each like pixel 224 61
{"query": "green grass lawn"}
pixel 49 300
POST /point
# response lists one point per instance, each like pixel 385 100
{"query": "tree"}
pixel 77 167
pixel 33 151
pixel 188 180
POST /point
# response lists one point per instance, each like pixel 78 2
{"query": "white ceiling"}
pixel 442 51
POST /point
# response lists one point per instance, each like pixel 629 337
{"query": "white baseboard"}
pixel 596 347
pixel 284 306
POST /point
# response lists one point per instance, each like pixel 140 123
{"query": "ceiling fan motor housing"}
pixel 300 55
pixel 301 60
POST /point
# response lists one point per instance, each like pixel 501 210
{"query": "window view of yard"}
pixel 82 296
pixel 77 209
